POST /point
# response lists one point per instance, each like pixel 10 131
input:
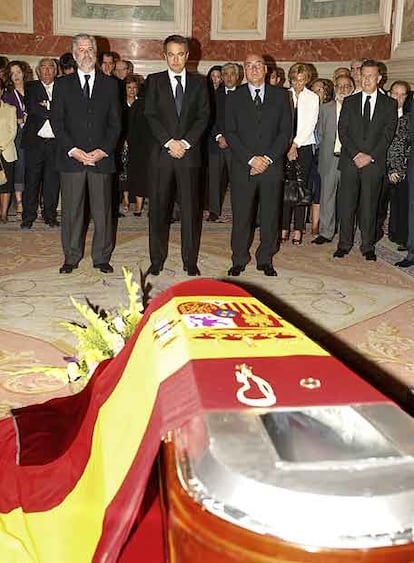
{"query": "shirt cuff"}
pixel 186 144
pixel 70 153
pixel 218 136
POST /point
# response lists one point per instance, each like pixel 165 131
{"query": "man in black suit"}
pixel 177 110
pixel 366 128
pixel 219 154
pixel 39 142
pixel 86 119
pixel 258 130
pixel 409 260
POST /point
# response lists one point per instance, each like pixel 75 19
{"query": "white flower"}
pixel 73 371
pixel 119 324
pixel 119 343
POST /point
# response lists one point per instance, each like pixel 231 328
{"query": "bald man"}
pixel 258 128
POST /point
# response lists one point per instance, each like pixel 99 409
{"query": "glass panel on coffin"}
pixel 340 477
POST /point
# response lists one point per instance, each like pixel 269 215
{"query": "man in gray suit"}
pixel 329 151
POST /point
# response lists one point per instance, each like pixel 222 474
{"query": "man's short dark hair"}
pixel 371 63
pixel 106 54
pixel 67 61
pixel 176 39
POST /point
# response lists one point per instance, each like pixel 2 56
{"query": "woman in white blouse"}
pixel 306 111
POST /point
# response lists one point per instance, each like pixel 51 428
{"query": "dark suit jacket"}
pixel 164 122
pixel 380 134
pixel 140 141
pixel 247 136
pixel 38 111
pixel 86 124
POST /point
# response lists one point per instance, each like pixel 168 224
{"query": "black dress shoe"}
pixel 402 248
pixel 105 267
pixel 405 263
pixel 154 270
pixel 52 222
pixel 267 269
pixel 236 270
pixel 26 224
pixel 320 240
pixel 370 256
pixel 67 268
pixel 340 253
pixel 193 271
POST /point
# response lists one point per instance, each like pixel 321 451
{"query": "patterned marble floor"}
pixel 361 311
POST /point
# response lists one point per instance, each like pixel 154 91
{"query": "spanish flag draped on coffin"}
pixel 73 471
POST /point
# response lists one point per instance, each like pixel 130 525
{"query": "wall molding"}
pixel 294 27
pixel 25 26
pixel 65 24
pixel 217 32
pixel 400 49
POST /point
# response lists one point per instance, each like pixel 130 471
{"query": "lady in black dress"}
pixel 139 143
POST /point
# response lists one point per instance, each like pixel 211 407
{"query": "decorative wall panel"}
pixel 231 19
pixel 401 65
pixel 305 19
pixel 113 19
pixel 16 16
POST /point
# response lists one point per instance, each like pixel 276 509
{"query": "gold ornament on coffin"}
pixel 310 383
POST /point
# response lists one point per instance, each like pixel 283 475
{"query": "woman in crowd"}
pixel 324 88
pixel 214 78
pixel 8 155
pixel 17 74
pixel 139 143
pixel 130 85
pixel 397 161
pixel 306 111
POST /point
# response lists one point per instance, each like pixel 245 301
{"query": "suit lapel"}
pixel 248 102
pixel 378 108
pixel 166 86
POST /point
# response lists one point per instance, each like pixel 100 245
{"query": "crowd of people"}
pixel 101 140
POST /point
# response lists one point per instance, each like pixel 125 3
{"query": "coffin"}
pixel 310 464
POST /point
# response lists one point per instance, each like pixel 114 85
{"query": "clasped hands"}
pixel 88 158
pixel 258 165
pixel 362 159
pixel 176 148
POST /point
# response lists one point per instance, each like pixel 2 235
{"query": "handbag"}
pixel 3 176
pixel 294 187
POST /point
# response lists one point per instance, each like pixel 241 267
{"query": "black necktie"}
pixel 366 116
pixel 179 94
pixel 257 100
pixel 86 90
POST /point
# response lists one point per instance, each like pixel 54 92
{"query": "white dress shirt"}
pixel 372 102
pixel 91 80
pixel 173 80
pixel 46 131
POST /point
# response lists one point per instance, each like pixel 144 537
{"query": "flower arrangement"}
pixel 106 332
pixel 104 335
